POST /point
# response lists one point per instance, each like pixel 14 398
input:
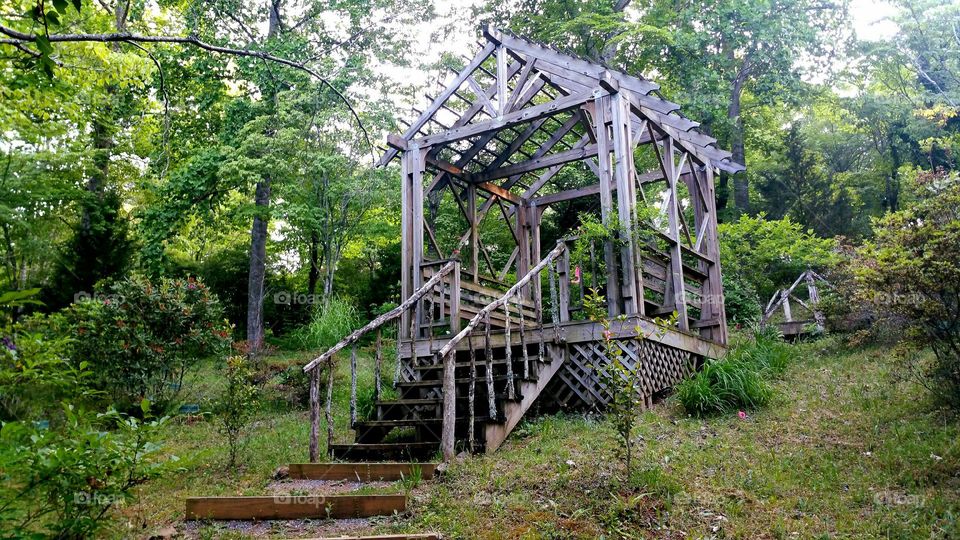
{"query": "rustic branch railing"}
pixel 412 303
pixel 448 352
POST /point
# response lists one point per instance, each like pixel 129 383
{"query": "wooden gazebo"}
pixel 477 348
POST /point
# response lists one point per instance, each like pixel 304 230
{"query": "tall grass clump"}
pixel 332 321
pixel 737 381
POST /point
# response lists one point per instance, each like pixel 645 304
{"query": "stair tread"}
pixel 480 381
pixel 480 363
pixel 415 421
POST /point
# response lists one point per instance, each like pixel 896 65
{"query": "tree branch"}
pixel 18 39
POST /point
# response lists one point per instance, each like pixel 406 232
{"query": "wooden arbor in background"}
pixel 505 125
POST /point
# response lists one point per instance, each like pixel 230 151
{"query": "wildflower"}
pixel 742 415
pixel 608 334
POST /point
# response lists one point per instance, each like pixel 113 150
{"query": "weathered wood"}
pixel 507 120
pixel 497 303
pixel 314 415
pixel 360 472
pixel 353 385
pixel 442 98
pixel 294 507
pixel 383 319
pixel 328 412
pixel 378 365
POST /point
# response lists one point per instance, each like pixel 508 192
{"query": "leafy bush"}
pixel 721 386
pixel 740 299
pixel 36 375
pixel 333 320
pixel 910 273
pixel 237 404
pixel 62 483
pixel 140 338
pixel 769 253
pixel 739 379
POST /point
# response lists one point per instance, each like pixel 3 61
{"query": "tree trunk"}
pixel 258 266
pixel 741 186
pixel 314 275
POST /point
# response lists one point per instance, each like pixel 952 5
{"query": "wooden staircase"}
pixel 409 427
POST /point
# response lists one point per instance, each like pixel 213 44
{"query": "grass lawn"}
pixel 843 451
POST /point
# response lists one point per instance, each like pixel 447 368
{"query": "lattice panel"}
pixel 578 385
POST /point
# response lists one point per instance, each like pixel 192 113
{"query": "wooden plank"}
pixel 361 472
pixel 423 536
pixel 294 507
pixel 531 165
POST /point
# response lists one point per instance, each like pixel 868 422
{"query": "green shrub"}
pixel 140 338
pixel 910 273
pixel 333 320
pixel 723 385
pixel 36 375
pixel 63 482
pixel 237 404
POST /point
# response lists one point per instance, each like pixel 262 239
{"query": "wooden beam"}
pixel 360 472
pixel 544 162
pixel 511 119
pixel 500 192
pixel 294 507
pixel 415 127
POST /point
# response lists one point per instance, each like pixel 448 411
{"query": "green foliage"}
pixel 65 482
pixel 740 300
pixel 766 254
pixel 236 405
pixel 911 275
pixel 36 375
pixel 332 321
pixel 739 380
pixel 141 337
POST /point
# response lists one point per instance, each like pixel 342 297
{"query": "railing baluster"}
pixel 488 353
pixel 353 385
pixel 329 411
pixel 554 308
pixel 471 437
pixel 508 350
pixel 396 371
pixel 523 341
pixel 377 366
pixel 314 415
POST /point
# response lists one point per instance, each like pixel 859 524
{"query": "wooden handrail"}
pixel 446 354
pixel 382 319
pixel 450 345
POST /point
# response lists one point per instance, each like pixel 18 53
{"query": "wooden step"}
pixel 361 472
pixel 481 381
pixel 294 507
pixel 405 422
pixel 386 451
pixel 427 536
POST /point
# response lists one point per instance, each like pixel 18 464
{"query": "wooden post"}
pixel 624 175
pixel 537 288
pixel 677 288
pixel 717 333
pixel 416 244
pixel 471 393
pixel 314 415
pixel 474 231
pixel 605 175
pixel 488 368
pixel 507 349
pixel 329 411
pixel 787 313
pixel 563 276
pixel 353 385
pixel 406 244
pixel 447 438
pixel 377 368
pixel 523 244
pixel 455 299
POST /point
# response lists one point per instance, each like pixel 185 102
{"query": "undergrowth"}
pixel 739 380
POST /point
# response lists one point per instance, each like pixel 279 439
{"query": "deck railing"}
pixel 418 314
pixel 447 353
